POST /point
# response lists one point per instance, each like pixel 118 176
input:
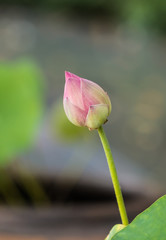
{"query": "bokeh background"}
pixel 54 179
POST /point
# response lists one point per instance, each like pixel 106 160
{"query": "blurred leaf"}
pixel 62 127
pixel 20 106
pixel 150 224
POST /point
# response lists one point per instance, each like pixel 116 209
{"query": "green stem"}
pixel 114 176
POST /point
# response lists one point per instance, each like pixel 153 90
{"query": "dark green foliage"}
pixel 148 14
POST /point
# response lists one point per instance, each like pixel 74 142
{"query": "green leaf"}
pixel 115 230
pixel 149 225
pixel 20 106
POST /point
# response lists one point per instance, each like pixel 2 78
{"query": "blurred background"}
pixel 54 179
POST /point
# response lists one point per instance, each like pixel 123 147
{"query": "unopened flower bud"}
pixel 85 102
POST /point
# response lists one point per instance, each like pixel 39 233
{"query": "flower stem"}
pixel 114 176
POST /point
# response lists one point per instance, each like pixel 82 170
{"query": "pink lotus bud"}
pixel 85 102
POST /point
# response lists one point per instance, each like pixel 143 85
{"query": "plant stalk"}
pixel 113 173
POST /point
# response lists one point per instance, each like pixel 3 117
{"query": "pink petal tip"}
pixel 69 75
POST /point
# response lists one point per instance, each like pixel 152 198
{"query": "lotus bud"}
pixel 85 102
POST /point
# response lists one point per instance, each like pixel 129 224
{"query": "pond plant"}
pixel 86 104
